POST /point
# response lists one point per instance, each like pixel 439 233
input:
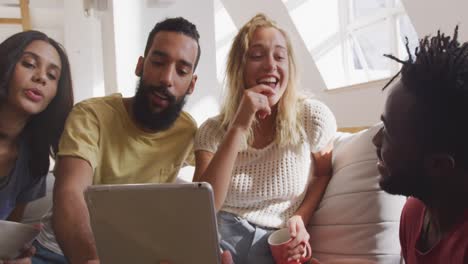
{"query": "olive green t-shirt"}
pixel 100 131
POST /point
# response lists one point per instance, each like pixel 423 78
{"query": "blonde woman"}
pixel 267 155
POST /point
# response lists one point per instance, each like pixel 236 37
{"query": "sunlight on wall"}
pixel 127 44
pixel 316 21
pixel 207 106
pixel 225 31
pixel 331 68
pixel 98 64
pixel 185 174
pixel 98 89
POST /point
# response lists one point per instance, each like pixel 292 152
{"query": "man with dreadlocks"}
pixel 423 150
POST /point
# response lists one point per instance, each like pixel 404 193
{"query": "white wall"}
pixel 83 44
pixel 107 38
pixel 430 16
pixel 66 22
pixel 46 16
pixel 128 30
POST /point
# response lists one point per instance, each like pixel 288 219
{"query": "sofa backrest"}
pixel 355 218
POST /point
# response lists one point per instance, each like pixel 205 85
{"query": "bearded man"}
pixel 114 140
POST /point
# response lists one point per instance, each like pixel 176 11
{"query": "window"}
pixel 347 38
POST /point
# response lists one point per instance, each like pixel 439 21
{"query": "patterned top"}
pixel 268 185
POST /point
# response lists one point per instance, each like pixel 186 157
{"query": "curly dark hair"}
pixel 43 131
pixel 437 76
pixel 177 24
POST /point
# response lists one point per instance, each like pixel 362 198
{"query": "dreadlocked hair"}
pixel 437 76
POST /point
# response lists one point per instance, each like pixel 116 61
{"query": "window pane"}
pixel 363 8
pixel 347 38
pixel 406 30
pixel 374 41
pixel 316 21
pixel 331 68
pixel 356 60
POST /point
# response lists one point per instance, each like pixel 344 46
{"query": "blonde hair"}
pixel 289 129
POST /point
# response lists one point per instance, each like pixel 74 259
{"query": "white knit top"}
pixel 269 184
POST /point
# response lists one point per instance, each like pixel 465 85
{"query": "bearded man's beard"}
pixel 148 117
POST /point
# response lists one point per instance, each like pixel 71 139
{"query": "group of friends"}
pixel 267 155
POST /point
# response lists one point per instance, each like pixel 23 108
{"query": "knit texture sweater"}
pixel 268 185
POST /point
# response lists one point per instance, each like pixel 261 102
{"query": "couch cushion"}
pixel 35 210
pixel 355 217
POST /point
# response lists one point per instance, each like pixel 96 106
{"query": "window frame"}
pixel 349 26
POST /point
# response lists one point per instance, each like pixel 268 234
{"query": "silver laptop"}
pixel 149 223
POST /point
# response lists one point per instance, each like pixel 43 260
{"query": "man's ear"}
pixel 139 66
pixel 439 164
pixel 192 84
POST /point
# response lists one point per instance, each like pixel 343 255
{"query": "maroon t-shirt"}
pixel 451 249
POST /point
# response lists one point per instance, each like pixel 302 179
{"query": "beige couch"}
pixel 355 218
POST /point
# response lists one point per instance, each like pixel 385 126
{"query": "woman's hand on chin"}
pixel 254 101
